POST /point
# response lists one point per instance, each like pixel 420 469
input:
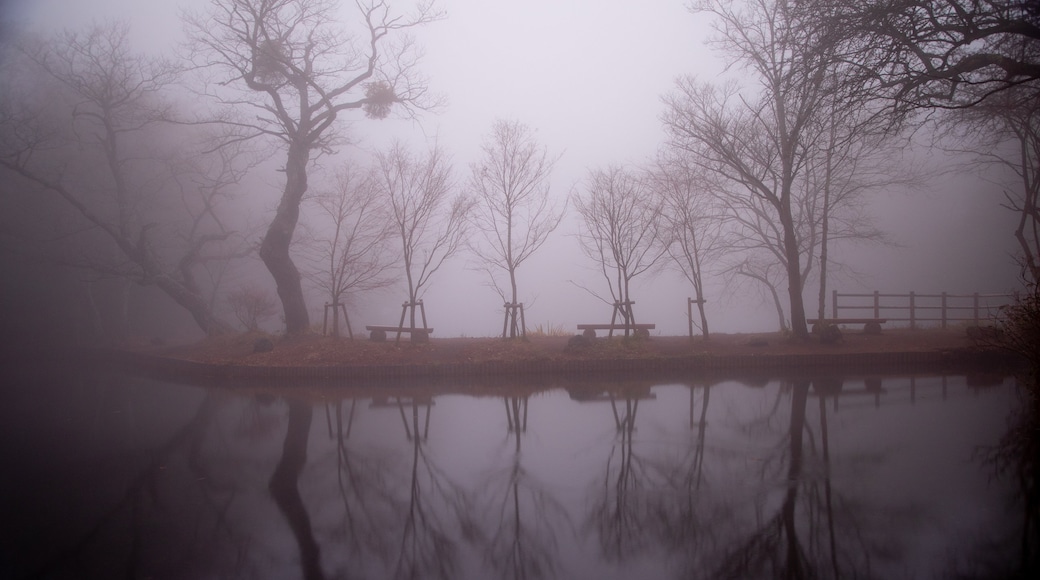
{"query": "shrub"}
pixel 1020 330
pixel 251 306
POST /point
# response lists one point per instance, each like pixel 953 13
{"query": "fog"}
pixel 588 77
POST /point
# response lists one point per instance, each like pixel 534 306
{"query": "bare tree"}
pixel 430 225
pixel 91 148
pixel 839 163
pixel 767 276
pixel 205 184
pixel 695 221
pixel 946 54
pixel 622 231
pixel 352 251
pixel 1004 131
pixel 297 70
pixel 763 145
pixel 513 212
pixel 744 144
pixel 854 157
pixel 938 53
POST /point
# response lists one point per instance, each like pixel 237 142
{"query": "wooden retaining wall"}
pixel 685 366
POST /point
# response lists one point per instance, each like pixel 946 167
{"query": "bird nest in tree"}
pixel 379 98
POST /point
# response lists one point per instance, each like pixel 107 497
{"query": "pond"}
pixel 878 476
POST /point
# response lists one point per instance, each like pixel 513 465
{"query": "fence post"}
pixel 975 307
pixel 943 315
pixel 913 321
pixel 834 305
pixel 877 304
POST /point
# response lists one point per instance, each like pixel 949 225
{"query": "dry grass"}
pixel 549 329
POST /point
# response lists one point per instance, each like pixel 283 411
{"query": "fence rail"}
pixel 916 308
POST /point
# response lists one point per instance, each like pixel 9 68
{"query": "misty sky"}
pixel 588 76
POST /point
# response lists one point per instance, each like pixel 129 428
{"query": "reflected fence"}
pixel 626 477
pixel 919 310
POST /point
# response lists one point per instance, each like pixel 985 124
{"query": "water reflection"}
pixel 439 513
pixel 1015 458
pixel 284 490
pixel 802 477
pixel 523 516
pixel 775 546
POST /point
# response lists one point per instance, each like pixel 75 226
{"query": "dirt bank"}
pixel 316 357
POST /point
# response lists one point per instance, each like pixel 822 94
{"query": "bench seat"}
pixel 846 320
pixel 870 325
pixel 378 332
pixel 616 326
pixel 397 328
pixel 640 329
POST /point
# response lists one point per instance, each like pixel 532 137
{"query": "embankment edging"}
pixel 862 362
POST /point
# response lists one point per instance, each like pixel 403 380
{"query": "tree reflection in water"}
pixel 1017 455
pixel 1020 451
pixel 284 490
pixel 524 517
pixel 740 486
pixel 681 517
pixel 620 506
pixel 775 548
pixel 429 545
pixel 368 505
pixel 806 533
pixel 1016 458
pixel 136 495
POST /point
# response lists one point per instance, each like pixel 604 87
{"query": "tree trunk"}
pixel 120 330
pixel 513 327
pixel 626 308
pixel 412 292
pixel 779 306
pixel 825 227
pixel 274 249
pixel 1028 215
pixel 704 318
pixel 194 304
pixel 698 287
pixel 794 274
pixel 335 318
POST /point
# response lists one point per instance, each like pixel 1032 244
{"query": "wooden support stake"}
pixel 510 327
pixel 943 314
pixel 913 314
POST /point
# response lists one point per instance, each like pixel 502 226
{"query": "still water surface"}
pixel 109 476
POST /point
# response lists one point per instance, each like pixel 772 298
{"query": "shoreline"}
pixel 540 369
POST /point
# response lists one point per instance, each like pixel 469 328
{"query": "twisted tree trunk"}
pixel 274 249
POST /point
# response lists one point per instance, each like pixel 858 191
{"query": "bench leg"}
pixel 589 333
pixel 378 336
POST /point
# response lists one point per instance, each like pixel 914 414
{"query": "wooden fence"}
pixel 916 308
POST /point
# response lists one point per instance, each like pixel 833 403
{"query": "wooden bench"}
pixel 870 325
pixel 378 333
pixel 640 329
